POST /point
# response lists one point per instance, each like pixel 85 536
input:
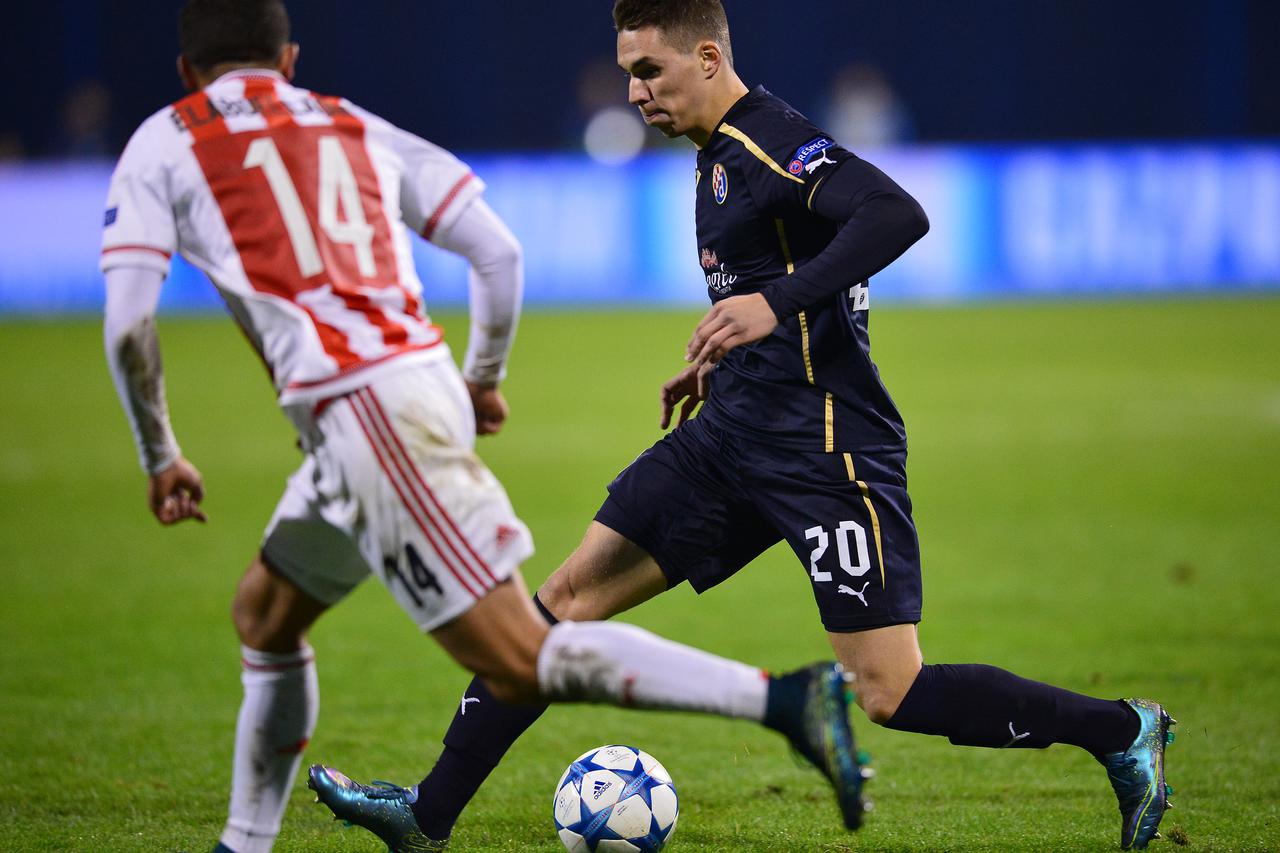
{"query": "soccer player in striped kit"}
pixel 296 205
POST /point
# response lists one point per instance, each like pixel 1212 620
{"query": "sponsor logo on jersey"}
pixel 709 259
pixel 721 280
pixel 719 184
pixel 802 160
pixel 110 218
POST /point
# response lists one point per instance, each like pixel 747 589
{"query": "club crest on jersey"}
pixel 803 160
pixel 709 259
pixel 719 184
pixel 110 218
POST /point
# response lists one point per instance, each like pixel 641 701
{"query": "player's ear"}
pixel 288 60
pixel 710 58
pixel 187 74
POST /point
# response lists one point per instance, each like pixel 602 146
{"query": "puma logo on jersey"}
pixel 802 160
pixel 810 168
pixel 859 594
pixel 1016 737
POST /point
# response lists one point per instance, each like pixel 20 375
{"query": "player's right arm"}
pixel 139 237
pixel 174 488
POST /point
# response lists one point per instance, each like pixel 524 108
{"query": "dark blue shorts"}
pixel 704 502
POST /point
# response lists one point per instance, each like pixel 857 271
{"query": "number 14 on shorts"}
pixel 419 579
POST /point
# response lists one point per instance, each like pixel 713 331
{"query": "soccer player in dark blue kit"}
pixel 797 440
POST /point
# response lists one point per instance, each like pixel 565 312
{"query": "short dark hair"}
pixel 683 22
pixel 214 32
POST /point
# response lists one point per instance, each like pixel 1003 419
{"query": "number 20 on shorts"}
pixel 846 553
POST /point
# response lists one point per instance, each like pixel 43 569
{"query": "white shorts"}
pixel 391 485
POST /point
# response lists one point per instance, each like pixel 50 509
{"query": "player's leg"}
pixel 278 712
pixel 606 575
pixel 980 705
pixel 626 666
pixel 870 620
pixel 666 520
pixel 305 565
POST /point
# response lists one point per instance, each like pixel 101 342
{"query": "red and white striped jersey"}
pixel 295 205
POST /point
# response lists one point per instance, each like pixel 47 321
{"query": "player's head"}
pixel 217 36
pixel 678 55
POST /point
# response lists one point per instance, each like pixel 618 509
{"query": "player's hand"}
pixel 175 493
pixel 730 323
pixel 490 406
pixel 689 385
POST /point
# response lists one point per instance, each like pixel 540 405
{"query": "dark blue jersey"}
pixel 811 384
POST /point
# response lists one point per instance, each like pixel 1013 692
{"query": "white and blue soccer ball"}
pixel 615 799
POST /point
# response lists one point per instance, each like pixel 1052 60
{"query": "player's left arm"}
pixel 440 199
pixel 496 286
pixel 879 221
pixel 174 487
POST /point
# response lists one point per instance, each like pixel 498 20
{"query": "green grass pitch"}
pixel 1097 487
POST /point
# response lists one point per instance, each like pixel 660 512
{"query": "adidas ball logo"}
pixel 599 787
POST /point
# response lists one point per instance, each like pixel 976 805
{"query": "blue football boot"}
pixel 1137 775
pixel 381 808
pixel 811 707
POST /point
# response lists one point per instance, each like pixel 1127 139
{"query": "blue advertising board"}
pixel 1050 220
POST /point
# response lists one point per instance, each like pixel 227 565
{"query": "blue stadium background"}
pixel 1063 147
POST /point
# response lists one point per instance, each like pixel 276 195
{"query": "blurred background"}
pixel 1084 347
pixel 1060 147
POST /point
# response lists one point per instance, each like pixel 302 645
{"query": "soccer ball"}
pixel 615 799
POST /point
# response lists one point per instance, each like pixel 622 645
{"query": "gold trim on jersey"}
pixel 731 131
pixel 831 424
pixel 804 346
pixel 828 416
pixel 809 202
pixel 875 519
pixel 786 247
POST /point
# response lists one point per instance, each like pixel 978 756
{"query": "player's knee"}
pixel 262 618
pixel 879 696
pixel 256 629
pixel 879 706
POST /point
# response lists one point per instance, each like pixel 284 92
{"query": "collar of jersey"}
pixel 740 106
pixel 241 73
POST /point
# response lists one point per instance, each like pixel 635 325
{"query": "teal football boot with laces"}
pixel 381 808
pixel 1137 775
pixel 811 708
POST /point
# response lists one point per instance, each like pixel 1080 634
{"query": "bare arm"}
pixel 133 355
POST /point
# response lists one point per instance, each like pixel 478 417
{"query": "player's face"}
pixel 667 84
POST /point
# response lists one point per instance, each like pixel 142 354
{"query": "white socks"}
pixel 624 665
pixel 277 717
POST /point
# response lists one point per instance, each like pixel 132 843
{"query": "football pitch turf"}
pixel 1097 488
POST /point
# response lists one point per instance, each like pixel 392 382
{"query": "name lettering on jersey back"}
pixel 194 113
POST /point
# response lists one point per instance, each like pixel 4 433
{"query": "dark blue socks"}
pixel 979 705
pixel 482 731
